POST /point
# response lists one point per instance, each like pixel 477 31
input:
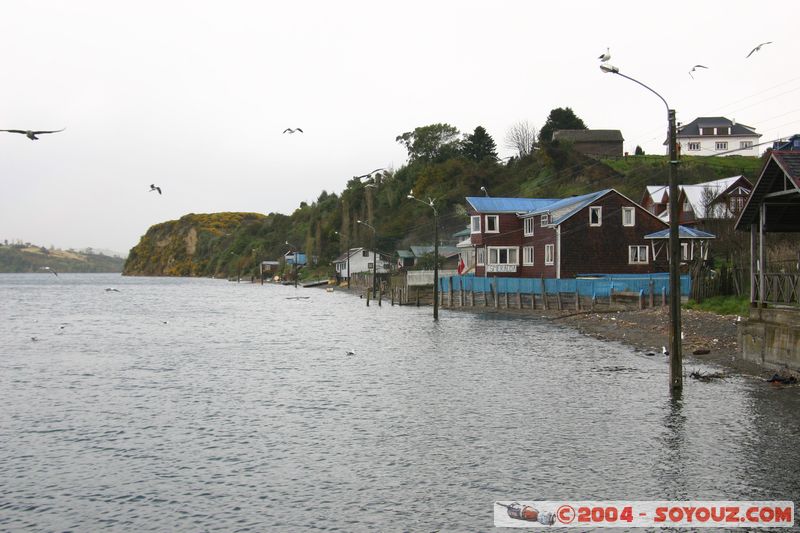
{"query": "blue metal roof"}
pixel 486 204
pixel 683 233
pixel 563 209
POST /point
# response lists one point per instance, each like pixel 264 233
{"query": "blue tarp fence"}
pixel 590 285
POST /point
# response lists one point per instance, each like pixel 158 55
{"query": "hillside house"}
pixel 601 232
pixel 712 200
pixel 594 143
pixel 717 136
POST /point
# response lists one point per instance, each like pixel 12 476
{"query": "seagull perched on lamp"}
pixel 605 57
pixel 32 135
pixel 695 68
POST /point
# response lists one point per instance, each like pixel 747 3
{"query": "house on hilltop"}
pixel 594 143
pixel 717 136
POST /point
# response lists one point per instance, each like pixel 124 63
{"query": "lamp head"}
pixel 605 67
pixel 359 222
pixel 411 197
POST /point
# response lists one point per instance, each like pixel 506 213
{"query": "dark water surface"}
pixel 194 405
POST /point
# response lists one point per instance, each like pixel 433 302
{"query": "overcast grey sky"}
pixel 194 95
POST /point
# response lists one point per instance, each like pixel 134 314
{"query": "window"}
pixel 637 255
pixel 545 220
pixel 480 256
pixel 529 226
pixel 687 206
pixel 595 215
pixel 503 255
pixel 726 130
pixel 745 144
pixel 694 147
pixel 364 253
pixel 721 145
pixel 369 266
pixel 628 216
pixel 549 252
pixel 492 224
pixel 684 251
pixel 475 224
pixel 527 255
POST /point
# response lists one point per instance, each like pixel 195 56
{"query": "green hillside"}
pixel 30 258
pixel 231 244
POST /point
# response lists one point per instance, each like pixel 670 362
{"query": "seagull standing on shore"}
pixel 32 135
pixel 757 48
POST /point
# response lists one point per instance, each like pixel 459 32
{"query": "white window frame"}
pixel 528 226
pixel 527 256
pixel 721 145
pixel 509 252
pixel 693 146
pixel 549 254
pixel 685 253
pixel 744 145
pixel 480 256
pixel 632 211
pixel 475 224
pixel 638 259
pixel 496 219
pixel 599 210
pixel 545 220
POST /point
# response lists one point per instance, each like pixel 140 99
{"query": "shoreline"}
pixel 647 330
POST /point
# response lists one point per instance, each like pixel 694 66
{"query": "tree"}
pixel 638 150
pixel 478 145
pixel 521 137
pixel 431 144
pixel 561 118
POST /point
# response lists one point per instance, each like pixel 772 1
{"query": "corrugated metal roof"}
pixel 561 210
pixel 780 165
pixel 684 232
pixel 487 204
pixel 445 251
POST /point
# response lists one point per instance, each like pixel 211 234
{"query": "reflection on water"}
pixel 180 404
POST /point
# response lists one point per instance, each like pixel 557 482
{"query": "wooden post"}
pixel 450 293
pixel 533 300
pixel 391 293
pixel 558 299
pixel 594 301
pixel 461 295
pixel 417 296
pixel 506 298
pixel 577 298
pixel 544 295
pixel 652 286
pixel 641 298
pixel 380 296
pixel 519 300
pixel 663 296
pixel 368 295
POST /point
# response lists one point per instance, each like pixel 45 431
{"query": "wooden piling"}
pixel 652 286
pixel 558 300
pixel 417 296
pixel 368 295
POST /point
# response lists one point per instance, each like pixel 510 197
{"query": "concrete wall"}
pixel 771 337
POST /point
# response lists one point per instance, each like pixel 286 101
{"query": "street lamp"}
pixel 294 261
pixel 676 360
pixel 430 204
pixel 374 259
pixel 485 191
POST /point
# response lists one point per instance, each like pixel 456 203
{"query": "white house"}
pixel 360 260
pixel 717 136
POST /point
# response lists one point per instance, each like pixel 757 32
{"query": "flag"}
pixel 461 265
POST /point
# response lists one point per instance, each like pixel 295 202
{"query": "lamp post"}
pixel 294 261
pixel 430 204
pixel 374 258
pixel 676 359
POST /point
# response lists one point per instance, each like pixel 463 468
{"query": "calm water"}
pixel 193 405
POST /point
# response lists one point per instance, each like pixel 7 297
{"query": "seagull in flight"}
pixel 290 130
pixel 695 68
pixel 757 48
pixel 154 188
pixel 50 270
pixel 605 57
pixel 32 135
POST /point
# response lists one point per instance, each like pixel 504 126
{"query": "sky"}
pixel 194 96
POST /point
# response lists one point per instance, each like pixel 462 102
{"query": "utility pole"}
pixel 675 355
